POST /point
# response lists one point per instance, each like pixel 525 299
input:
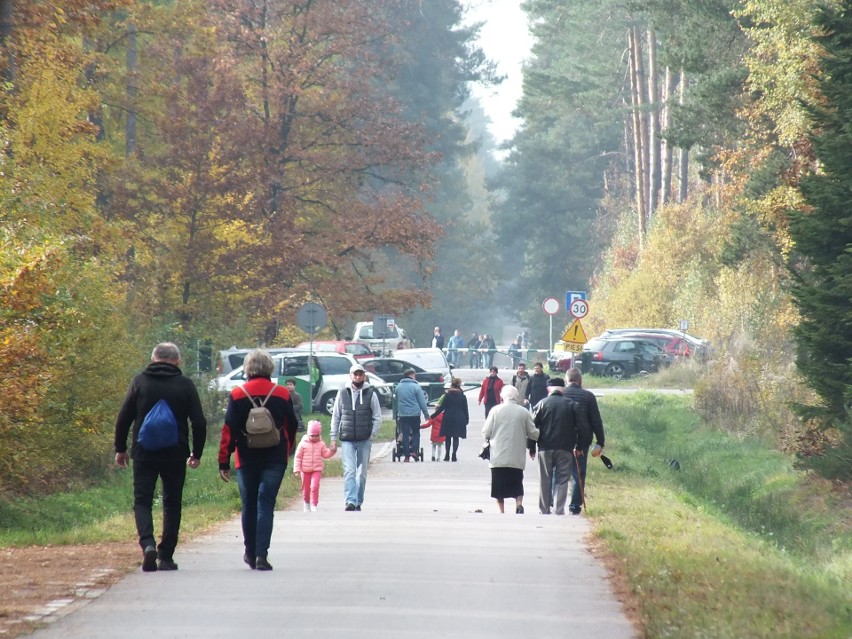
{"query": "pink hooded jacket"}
pixel 309 455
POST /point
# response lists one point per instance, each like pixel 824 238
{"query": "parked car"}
pixel 331 374
pixel 698 348
pixel 391 370
pixel 561 361
pixel 232 358
pixel 621 357
pixel 432 360
pixel 394 339
pixel 674 346
pixel 358 350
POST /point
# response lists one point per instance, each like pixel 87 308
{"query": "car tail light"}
pixel 400 346
pixel 598 356
pixel 440 378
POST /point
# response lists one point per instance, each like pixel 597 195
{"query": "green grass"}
pixel 105 512
pixel 737 543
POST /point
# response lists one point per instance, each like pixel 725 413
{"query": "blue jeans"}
pixel 355 457
pixel 576 492
pixel 259 484
pixel 409 426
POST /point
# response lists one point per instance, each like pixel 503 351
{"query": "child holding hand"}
pixel 309 463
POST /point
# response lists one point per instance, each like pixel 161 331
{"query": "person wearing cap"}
pixel 410 404
pixel 355 421
pixel 589 423
pixel 555 418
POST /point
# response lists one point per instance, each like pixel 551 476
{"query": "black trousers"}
pixel 172 475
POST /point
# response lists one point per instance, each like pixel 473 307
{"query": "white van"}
pixel 394 340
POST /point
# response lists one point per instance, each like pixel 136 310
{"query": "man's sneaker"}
pixel 167 564
pixel 350 507
pixel 262 564
pixel 574 510
pixel 358 508
pixel 149 559
pixel 307 507
pixel 250 561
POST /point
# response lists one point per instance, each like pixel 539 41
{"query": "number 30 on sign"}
pixel 578 309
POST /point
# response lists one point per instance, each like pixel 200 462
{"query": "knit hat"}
pixel 314 427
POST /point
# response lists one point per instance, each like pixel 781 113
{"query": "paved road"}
pixel 429 556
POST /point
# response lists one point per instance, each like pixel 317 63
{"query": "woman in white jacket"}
pixel 507 429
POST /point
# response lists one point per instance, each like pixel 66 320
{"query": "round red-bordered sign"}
pixel 579 308
pixel 550 306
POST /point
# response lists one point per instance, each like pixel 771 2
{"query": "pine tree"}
pixel 823 233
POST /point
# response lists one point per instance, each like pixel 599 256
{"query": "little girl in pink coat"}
pixel 309 463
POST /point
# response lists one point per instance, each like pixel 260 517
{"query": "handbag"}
pixel 485 451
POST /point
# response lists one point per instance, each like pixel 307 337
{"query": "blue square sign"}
pixel 570 296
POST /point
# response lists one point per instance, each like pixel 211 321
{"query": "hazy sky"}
pixel 504 38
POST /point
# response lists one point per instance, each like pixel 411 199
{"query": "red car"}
pixel 358 350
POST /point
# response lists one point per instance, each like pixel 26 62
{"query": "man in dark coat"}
pixel 161 380
pixel 589 423
pixel 537 388
pixel 555 418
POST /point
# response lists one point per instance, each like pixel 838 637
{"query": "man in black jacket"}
pixel 537 388
pixel 555 418
pixel 161 380
pixel 589 423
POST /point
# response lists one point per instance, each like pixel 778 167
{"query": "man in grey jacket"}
pixel 355 420
pixel 410 404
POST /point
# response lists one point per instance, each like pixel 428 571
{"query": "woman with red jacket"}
pixel 490 391
pixel 259 470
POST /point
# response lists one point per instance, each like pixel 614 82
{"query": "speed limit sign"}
pixel 579 308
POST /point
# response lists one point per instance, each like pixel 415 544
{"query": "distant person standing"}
pixel 489 393
pixel 161 380
pixel 410 404
pixel 298 405
pixel 472 347
pixel 515 354
pixel 521 381
pixel 537 388
pixel 507 429
pixel 491 348
pixel 555 419
pixel 589 423
pixel 455 418
pixel 355 420
pixel 455 342
pixel 437 338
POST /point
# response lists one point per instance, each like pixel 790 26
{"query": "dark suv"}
pixel 621 357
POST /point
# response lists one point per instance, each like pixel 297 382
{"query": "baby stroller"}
pixel 398 453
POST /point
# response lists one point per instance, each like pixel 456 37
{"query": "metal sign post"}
pixel 311 318
pixel 551 307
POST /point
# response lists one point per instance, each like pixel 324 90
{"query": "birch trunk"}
pixel 666 147
pixel 683 160
pixel 636 92
pixel 653 117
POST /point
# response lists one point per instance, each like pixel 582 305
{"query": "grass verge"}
pixel 718 537
pixel 105 512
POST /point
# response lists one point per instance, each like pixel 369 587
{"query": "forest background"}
pixel 195 171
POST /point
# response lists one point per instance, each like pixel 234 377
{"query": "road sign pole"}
pixel 550 343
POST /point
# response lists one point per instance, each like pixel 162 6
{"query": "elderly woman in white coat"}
pixel 507 429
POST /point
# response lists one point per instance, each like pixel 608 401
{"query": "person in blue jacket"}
pixel 410 404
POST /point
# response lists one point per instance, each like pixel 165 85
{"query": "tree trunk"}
pixel 7 74
pixel 132 91
pixel 667 154
pixel 636 93
pixel 683 161
pixel 653 124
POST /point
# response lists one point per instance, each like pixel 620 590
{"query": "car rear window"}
pixel 358 349
pixel 334 365
pixel 367 333
pixel 595 345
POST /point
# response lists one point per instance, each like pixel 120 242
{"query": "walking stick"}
pixel 580 479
